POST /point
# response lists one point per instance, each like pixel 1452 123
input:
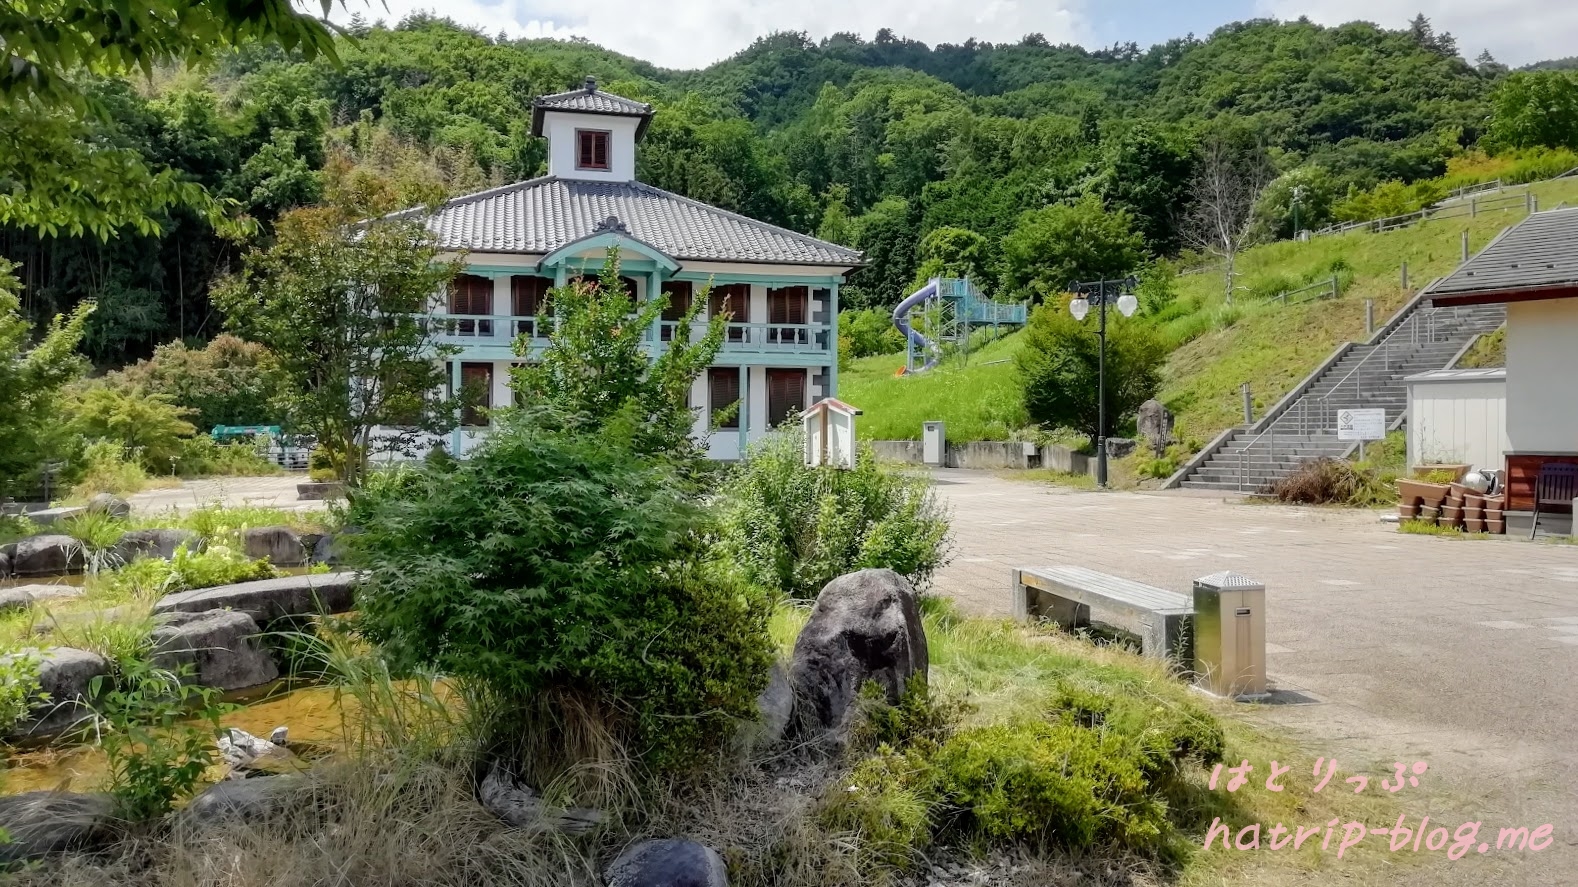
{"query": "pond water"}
pixel 73 581
pixel 313 715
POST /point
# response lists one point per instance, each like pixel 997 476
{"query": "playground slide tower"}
pixel 953 305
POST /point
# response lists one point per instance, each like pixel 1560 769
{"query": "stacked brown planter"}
pixel 1452 511
pixel 1474 512
pixel 1419 499
pixel 1495 520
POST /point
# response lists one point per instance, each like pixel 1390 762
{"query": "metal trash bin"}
pixel 1230 634
pixel 934 444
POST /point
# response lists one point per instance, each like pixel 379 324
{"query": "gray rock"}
pixel 51 822
pixel 221 646
pixel 65 679
pixel 249 755
pixel 47 555
pixel 667 862
pixel 329 550
pixel 1155 423
pixel 318 491
pixel 24 596
pixel 280 546
pixel 268 600
pixel 5 564
pixel 160 543
pixel 105 503
pixel 775 705
pixel 1119 447
pixel 239 800
pixel 519 805
pixel 866 626
pixel 48 517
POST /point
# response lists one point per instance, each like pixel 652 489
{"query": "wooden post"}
pixel 1369 318
pixel 1465 244
pixel 1473 207
pixel 1405 275
pixel 1249 404
pixel 1528 201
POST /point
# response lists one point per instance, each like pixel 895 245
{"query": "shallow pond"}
pixel 313 715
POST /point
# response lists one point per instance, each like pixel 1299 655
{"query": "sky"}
pixel 696 33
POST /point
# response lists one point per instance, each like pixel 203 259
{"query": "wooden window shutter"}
pixel 526 294
pixel 470 294
pixel 785 394
pixel 787 305
pixel 723 385
pixel 476 384
pixel 738 296
pixel 591 149
pixel 679 296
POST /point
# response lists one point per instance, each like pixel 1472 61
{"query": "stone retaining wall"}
pixel 991 454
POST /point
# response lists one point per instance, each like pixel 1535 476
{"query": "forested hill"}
pixel 921 156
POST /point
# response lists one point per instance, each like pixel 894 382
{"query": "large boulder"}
pixel 269 600
pixel 20 597
pixel 50 554
pixel 866 626
pixel 5 564
pixel 106 503
pixel 667 862
pixel 160 543
pixel 331 549
pixel 1155 424
pixel 221 646
pixel 65 680
pixel 240 800
pixel 1120 447
pixel 51 822
pixel 280 546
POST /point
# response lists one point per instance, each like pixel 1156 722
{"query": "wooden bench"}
pixel 1070 595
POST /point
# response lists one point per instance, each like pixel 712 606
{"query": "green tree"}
pixel 952 252
pixel 54 178
pixel 147 425
pixel 1535 109
pixel 1058 368
pixel 227 382
pixel 31 378
pixel 1050 248
pixel 597 368
pixel 345 310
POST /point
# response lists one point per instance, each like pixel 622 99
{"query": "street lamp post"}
pixel 1102 292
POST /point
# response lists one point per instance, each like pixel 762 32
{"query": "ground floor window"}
pixel 476 393
pixel 785 395
pixel 723 387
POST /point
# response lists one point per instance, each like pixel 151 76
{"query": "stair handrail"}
pixel 1326 412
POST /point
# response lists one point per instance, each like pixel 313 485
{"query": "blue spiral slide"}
pixel 902 322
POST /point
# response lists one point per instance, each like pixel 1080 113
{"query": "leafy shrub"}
pixel 16 526
pixel 889 803
pixel 1059 362
pixel 1164 734
pixel 107 468
pixel 97 533
pixel 869 331
pixel 224 523
pixel 1226 316
pixel 202 456
pixel 149 427
pixel 562 573
pixel 794 529
pixel 1049 785
pixel 18 686
pixel 147 721
pixel 216 565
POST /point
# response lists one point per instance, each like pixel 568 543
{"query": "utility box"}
pixel 1230 635
pixel 934 444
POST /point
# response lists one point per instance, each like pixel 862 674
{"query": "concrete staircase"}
pixel 1370 375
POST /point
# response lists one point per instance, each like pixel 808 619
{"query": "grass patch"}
pixel 1487 351
pixel 1418 527
pixel 978 399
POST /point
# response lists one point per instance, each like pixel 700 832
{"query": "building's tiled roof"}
pixel 1540 251
pixel 542 215
pixel 589 100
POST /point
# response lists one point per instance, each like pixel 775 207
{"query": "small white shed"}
pixel 1458 416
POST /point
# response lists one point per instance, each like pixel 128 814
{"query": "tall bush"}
pixel 562 573
pixel 793 528
pixel 1059 368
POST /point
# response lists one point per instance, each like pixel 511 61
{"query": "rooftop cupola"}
pixel 591 134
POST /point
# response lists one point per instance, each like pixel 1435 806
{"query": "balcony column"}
pixel 654 289
pixel 503 304
pixel 745 408
pixel 454 392
pixel 832 340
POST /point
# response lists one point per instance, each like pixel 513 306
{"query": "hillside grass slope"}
pixel 1269 345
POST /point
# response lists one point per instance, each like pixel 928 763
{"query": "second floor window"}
pixel 591 149
pixel 470 294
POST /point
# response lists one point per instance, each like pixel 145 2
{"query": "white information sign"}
pixel 1361 424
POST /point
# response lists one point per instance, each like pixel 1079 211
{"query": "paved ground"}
pixel 274 492
pixel 1460 653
